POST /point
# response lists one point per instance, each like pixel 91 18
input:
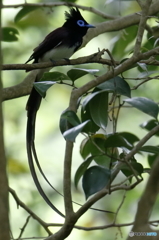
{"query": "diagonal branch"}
pixel 32 214
pixel 142 25
pixel 58 4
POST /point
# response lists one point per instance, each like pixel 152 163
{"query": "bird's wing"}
pixel 51 41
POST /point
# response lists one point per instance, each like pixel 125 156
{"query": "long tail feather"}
pixel 33 105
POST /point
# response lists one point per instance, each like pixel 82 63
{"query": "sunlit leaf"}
pixel 145 105
pixel 95 179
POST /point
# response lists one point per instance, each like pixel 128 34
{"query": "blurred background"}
pixel 50 144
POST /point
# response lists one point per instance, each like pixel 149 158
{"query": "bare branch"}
pixel 93 58
pixel 141 143
pixel 142 25
pixel 58 4
pixel 146 204
pixel 32 214
pixel 23 228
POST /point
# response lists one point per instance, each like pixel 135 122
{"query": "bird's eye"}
pixel 80 23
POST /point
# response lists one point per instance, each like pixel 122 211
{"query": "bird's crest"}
pixel 73 14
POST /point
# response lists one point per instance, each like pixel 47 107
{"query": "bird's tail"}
pixel 32 107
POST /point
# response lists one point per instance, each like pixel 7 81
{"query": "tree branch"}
pixel 146 204
pixel 32 214
pixel 142 25
pixel 4 206
pixel 58 4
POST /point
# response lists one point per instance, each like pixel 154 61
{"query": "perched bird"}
pixel 59 44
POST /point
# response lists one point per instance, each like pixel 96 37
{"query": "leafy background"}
pixel 49 141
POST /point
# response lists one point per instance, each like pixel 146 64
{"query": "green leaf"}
pixel 42 87
pixel 103 160
pixel 146 74
pixel 145 105
pixel 76 73
pixel 98 107
pixel 95 179
pixel 54 76
pixel 91 96
pixel 82 168
pixel 95 146
pixel 88 99
pixel 9 34
pixel 24 11
pixel 117 140
pixel 72 133
pixel 68 116
pixel 149 125
pixel 152 158
pixel 130 137
pixel 138 168
pixel 91 127
pixel 117 85
pixel 150 149
pixel 123 41
pixel 143 66
pixel 85 148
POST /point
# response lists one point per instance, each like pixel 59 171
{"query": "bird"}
pixel 61 43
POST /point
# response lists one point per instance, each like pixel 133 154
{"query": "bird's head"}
pixel 76 22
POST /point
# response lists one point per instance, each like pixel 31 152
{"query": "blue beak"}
pixel 89 26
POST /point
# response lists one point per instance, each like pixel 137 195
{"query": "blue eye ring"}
pixel 81 23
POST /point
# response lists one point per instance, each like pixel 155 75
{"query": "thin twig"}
pixel 32 214
pixel 23 228
pixel 119 207
pixel 58 4
pixel 144 15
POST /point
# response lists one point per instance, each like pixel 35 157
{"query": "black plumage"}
pixel 60 43
pixel 68 36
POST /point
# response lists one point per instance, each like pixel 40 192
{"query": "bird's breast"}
pixel 57 53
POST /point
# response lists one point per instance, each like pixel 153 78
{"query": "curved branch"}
pixel 108 26
pixel 93 58
pixel 58 4
pixel 21 89
pixel 118 24
pixel 32 214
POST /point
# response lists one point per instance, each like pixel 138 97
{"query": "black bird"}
pixel 59 44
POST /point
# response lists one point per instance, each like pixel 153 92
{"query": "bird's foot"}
pixel 67 60
pixel 53 61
